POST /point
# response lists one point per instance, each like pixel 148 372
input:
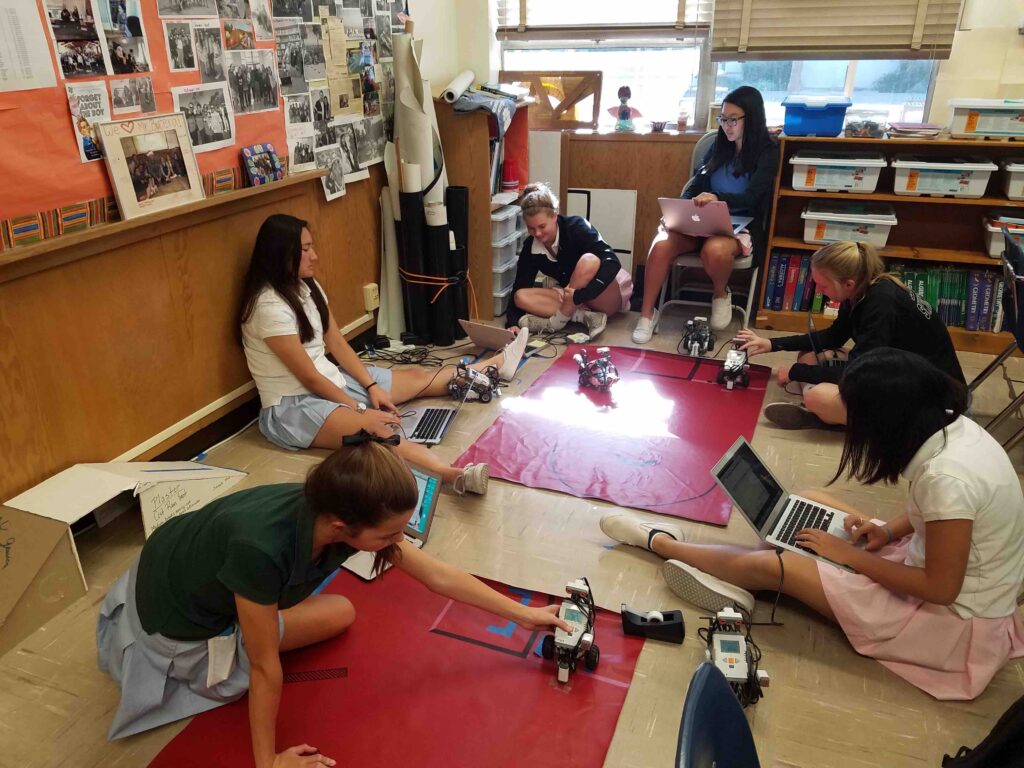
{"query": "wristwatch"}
pixel 361 407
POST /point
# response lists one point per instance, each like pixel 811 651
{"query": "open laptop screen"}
pixel 751 485
pixel 427 486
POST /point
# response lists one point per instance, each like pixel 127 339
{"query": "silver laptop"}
pixel 429 486
pixel 427 424
pixel 776 515
pixel 487 336
pixel 685 217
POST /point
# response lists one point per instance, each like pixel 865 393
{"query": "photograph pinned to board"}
pixel 367 7
pixel 150 163
pixel 313 65
pixel 369 28
pixel 289 56
pixel 385 46
pixel 261 163
pixel 191 8
pixel 354 59
pixel 208 115
pixel 298 111
pixel 261 20
pixel 347 96
pixel 370 140
pixel 325 133
pixel 320 100
pixel 371 104
pixel 76 38
pixel 239 35
pixel 121 21
pixel 291 9
pixel 209 51
pixel 300 153
pixel 89 105
pixel 252 81
pixel 181 52
pixel 352 19
pixel 334 182
pixel 133 94
pixel 349 150
pixel 233 9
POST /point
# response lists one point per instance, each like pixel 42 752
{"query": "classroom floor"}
pixel 826 706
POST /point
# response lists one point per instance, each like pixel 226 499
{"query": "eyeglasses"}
pixel 730 121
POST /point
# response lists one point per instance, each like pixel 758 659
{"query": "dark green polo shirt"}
pixel 255 543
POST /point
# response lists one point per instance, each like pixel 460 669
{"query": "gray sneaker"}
pixel 793 416
pixel 595 322
pixel 535 324
pixel 703 590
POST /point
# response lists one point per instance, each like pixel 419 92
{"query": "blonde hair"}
pixel 847 260
pixel 537 198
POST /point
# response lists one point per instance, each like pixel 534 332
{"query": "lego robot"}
pixel 567 648
pixel 697 337
pixel 598 373
pixel 469 384
pixel 734 370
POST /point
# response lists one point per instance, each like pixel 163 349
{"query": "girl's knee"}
pixel 340 613
pixel 719 250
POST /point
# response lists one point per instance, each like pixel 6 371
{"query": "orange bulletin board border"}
pixel 39 163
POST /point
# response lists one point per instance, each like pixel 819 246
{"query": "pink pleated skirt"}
pixel 928 645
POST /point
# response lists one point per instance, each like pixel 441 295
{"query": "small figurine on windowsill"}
pixel 624 113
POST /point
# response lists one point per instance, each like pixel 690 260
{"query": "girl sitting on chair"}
pixel 876 310
pixel 308 401
pixel 932 594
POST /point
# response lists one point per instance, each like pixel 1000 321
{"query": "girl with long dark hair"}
pixel 740 171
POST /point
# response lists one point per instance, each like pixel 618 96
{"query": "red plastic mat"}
pixel 422 681
pixel 649 442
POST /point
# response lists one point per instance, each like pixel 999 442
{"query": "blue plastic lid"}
pixel 817 102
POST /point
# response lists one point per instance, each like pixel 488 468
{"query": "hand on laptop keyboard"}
pixel 823 544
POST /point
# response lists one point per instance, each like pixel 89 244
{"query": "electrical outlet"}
pixel 371 297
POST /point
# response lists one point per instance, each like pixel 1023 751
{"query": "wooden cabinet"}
pixel 933 230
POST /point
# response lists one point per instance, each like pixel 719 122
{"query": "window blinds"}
pixel 601 19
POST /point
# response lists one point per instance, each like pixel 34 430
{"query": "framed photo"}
pixel 262 164
pixel 151 163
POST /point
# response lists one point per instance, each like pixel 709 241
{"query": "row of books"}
pixel 967 298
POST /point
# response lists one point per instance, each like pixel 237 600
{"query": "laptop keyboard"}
pixel 804 515
pixel 431 425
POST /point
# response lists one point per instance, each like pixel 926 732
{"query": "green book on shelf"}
pixel 819 300
pixel 931 292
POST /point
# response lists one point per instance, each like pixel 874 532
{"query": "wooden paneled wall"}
pixel 122 336
pixel 654 164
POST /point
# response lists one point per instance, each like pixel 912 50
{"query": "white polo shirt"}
pixel 970 477
pixel 272 316
pixel 538 247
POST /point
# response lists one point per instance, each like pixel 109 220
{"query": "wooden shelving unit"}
pixel 941 230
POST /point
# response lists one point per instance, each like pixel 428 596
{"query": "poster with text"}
pixel 89 104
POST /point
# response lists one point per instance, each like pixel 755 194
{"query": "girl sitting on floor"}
pixel 218 594
pixel 933 595
pixel 308 401
pixel 876 310
pixel 592 285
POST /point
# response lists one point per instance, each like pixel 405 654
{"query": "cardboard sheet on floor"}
pixel 648 443
pixel 421 681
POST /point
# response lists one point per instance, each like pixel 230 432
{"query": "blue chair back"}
pixel 1013 287
pixel 714 732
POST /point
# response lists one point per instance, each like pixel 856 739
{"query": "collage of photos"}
pixel 76 38
pixel 121 22
pixel 190 8
pixel 132 95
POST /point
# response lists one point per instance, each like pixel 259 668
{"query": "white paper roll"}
pixel 391 168
pixel 411 178
pixel 435 214
pixel 458 86
pixel 391 317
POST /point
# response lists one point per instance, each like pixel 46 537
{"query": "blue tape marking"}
pixel 509 629
pixel 326 581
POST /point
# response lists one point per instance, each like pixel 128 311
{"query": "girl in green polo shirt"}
pixel 170 630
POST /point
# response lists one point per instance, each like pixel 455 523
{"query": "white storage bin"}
pixel 504 276
pixel 986 117
pixel 862 223
pixel 959 177
pixel 504 250
pixel 501 301
pixel 836 171
pixel 503 222
pixel 994 235
pixel 1014 178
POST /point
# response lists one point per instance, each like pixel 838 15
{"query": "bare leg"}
pixel 608 301
pixel 719 254
pixel 409 383
pixel 751 569
pixel 317 618
pixel 539 302
pixel 665 247
pixel 823 401
pixel 582 275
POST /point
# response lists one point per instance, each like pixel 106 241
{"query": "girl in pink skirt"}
pixel 934 592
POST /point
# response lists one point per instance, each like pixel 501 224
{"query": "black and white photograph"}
pixel 386 70
pixel 370 140
pixel 289 56
pixel 301 156
pixel 298 110
pixel 383 6
pixel 252 81
pixel 371 104
pixel 132 95
pixel 261 20
pixel 352 19
pixel 366 7
pixel 334 182
pixel 233 9
pixel 396 15
pixel 369 28
pixel 293 8
pixel 76 38
pixel 313 65
pixel 156 164
pixel 208 114
pixel 385 49
pixel 320 101
pixel 181 54
pixel 188 8
pixel 349 147
pixel 121 21
pixel 209 51
pixel 347 3
pixel 239 35
pixel 324 133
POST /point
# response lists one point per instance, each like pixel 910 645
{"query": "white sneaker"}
pixel 721 312
pixel 512 354
pixel 636 532
pixel 535 324
pixel 703 590
pixel 645 329
pixel 473 479
pixel 595 322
